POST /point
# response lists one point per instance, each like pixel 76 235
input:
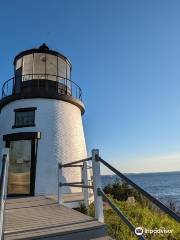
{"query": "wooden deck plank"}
pixel 43 216
pixel 37 217
pixel 58 231
pixel 73 197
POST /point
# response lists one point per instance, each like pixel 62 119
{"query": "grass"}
pixel 140 216
pixel 141 213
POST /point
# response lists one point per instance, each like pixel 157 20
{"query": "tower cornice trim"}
pixel 32 95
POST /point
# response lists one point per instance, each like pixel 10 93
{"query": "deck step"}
pixel 43 218
pixel 102 238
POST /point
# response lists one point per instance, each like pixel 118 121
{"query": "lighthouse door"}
pixel 20 177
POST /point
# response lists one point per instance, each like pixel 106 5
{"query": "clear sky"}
pixel 126 58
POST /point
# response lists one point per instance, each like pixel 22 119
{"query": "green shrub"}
pixel 139 216
pixel 142 213
pixel 120 190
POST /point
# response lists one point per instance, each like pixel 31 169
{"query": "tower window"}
pixel 24 117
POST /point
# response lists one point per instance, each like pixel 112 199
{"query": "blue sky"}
pixel 126 58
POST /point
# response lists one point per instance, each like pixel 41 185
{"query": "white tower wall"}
pixel 62 140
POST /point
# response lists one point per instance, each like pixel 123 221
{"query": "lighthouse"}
pixel 41 123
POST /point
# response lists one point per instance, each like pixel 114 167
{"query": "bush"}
pixel 120 190
pixel 139 216
pixel 142 213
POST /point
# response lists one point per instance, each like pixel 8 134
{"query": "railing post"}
pixel 85 182
pixel 98 202
pixel 3 187
pixel 60 197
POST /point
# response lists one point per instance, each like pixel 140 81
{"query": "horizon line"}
pixel 141 173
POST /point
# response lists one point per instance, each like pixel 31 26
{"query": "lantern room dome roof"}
pixel 42 49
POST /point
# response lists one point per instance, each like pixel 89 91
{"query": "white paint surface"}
pixel 62 140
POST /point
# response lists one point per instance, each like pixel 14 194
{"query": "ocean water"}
pixel 164 186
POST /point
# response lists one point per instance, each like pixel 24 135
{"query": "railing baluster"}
pixel 85 181
pixel 97 184
pixel 60 176
pixel 3 188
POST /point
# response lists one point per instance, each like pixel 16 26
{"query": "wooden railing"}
pixel 99 195
pixel 3 188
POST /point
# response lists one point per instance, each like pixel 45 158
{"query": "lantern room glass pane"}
pixel 39 66
pixel 68 72
pixel 27 70
pixel 61 68
pixel 18 63
pixel 51 67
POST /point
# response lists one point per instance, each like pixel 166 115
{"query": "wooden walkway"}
pixel 43 218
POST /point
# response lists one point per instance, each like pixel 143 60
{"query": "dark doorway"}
pixel 22 164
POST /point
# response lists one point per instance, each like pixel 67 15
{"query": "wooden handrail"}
pixel 159 204
pixel 3 188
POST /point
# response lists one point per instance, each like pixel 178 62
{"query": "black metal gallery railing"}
pixel 99 193
pixel 43 82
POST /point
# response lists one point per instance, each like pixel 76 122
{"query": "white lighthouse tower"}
pixel 41 123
